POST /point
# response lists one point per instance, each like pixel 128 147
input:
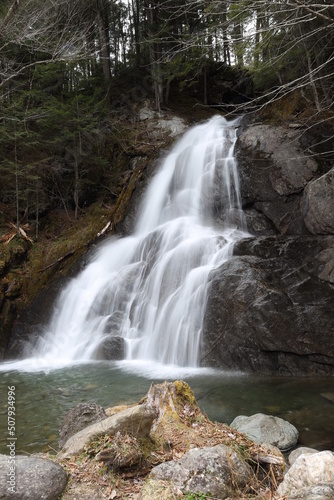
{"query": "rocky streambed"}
pixel 166 447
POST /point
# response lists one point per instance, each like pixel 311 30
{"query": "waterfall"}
pixel 151 288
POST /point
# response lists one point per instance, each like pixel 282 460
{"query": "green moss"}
pixel 184 393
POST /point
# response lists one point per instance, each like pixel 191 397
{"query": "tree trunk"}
pixel 103 27
pixel 154 56
pixel 136 18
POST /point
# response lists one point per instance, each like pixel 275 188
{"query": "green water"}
pixel 42 399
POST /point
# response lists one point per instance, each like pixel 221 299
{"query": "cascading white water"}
pixel 150 288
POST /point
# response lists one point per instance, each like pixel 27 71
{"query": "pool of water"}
pixel 44 397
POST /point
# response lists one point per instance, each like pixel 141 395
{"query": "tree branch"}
pixel 9 14
pixel 312 11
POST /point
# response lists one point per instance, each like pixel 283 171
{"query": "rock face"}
pixel 310 477
pixel 216 471
pixel 78 418
pixel 267 429
pixel 274 169
pixel 318 205
pixel 270 308
pixel 34 478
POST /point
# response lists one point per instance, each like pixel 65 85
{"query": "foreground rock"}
pixel 183 449
pixel 266 429
pixel 311 477
pixel 34 478
pixel 134 421
pixel 78 418
pixel 216 471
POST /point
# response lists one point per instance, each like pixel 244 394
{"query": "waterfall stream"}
pixel 151 288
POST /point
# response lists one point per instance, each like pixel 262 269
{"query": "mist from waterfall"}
pixel 151 288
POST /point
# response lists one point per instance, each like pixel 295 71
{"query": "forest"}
pixel 70 71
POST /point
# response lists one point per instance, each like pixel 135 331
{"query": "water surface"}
pixel 43 398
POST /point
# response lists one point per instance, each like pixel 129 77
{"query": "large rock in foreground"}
pixel 216 471
pixel 134 421
pixel 267 429
pixel 311 477
pixel 271 308
pixel 35 478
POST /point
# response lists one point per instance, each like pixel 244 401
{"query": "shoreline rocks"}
pixel 267 429
pixel 171 448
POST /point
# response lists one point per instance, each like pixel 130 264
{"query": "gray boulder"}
pixel 215 471
pixel 32 478
pixel 267 429
pixel 136 421
pixel 78 418
pixel 311 476
pixel 318 204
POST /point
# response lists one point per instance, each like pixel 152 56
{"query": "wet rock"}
pixel 215 471
pixel 318 204
pixel 274 170
pixel 291 168
pixel 79 417
pixel 310 476
pixel 267 429
pixel 34 478
pixel 134 421
pixel 269 311
pixel 258 224
pixel 112 348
